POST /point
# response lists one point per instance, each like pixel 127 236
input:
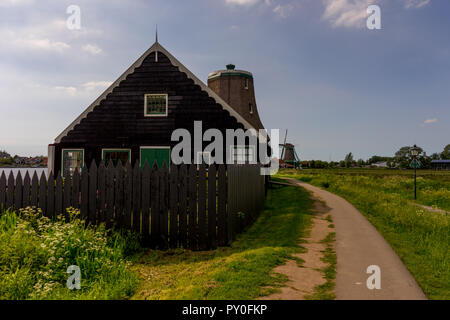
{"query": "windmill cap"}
pixel 230 71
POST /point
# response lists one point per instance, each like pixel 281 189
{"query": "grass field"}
pixel 420 237
pixel 242 271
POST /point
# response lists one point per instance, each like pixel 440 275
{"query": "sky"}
pixel 319 72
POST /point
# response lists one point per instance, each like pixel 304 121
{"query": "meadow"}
pixel 35 253
pixel 419 236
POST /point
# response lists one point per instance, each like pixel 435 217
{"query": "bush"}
pixel 325 184
pixel 36 251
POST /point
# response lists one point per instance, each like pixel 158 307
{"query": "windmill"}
pixel 288 155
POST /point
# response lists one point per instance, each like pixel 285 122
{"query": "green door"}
pixel 150 155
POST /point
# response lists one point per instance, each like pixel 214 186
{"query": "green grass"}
pixel 35 253
pixel 326 291
pixel 242 271
pixel 421 238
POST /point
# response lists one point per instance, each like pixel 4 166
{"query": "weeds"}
pixel 36 251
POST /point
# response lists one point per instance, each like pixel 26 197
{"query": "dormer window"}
pixel 155 105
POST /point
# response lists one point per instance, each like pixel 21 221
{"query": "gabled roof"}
pixel 156 47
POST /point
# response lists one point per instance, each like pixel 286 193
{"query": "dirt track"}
pixel 358 246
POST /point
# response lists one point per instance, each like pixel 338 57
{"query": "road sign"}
pixel 415 164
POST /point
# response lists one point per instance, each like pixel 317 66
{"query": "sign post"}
pixel 416 165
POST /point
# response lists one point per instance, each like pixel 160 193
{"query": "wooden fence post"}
pixel 118 195
pixel 50 196
pixel 222 206
pixel 212 216
pixel 109 193
pixel 164 204
pixel 2 191
pixel 58 195
pixel 18 192
pixel 202 227
pixel 101 183
pixel 146 202
pixel 193 215
pixel 93 178
pixel 84 191
pixel 182 209
pixel 173 207
pixel 155 190
pixel 137 197
pixel 127 195
pixel 43 194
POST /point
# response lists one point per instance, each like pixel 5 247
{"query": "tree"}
pixel 435 156
pixel 348 160
pixel 403 156
pixel 4 155
pixel 445 155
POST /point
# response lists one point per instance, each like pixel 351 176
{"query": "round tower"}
pixel 236 88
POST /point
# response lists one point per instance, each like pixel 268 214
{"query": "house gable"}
pixel 152 62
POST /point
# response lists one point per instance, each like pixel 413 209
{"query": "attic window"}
pixel 245 83
pixel 250 108
pixel 155 105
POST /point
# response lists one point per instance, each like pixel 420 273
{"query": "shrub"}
pixel 36 251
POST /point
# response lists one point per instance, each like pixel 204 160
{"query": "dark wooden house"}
pixel 134 118
pixel 440 164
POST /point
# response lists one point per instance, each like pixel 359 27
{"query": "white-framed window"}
pixel 245 83
pixel 72 159
pixel 243 154
pixel 204 157
pixel 156 105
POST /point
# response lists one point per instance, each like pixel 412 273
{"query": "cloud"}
pixel 82 90
pixel 72 91
pixel 346 13
pixel 241 2
pixel 93 85
pixel 46 37
pixel 92 49
pixel 416 3
pixel 13 3
pixel 429 121
pixel 34 37
pixel 283 11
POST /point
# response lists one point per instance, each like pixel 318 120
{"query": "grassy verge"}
pixel 420 238
pixel 242 271
pixel 35 253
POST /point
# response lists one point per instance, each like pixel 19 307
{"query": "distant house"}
pixel 440 164
pixel 382 164
pixel 134 118
pixel 20 160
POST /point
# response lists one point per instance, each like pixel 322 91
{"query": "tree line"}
pixel 401 159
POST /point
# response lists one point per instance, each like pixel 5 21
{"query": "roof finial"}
pixel 156 33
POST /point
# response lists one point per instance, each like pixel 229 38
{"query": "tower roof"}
pixel 230 71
